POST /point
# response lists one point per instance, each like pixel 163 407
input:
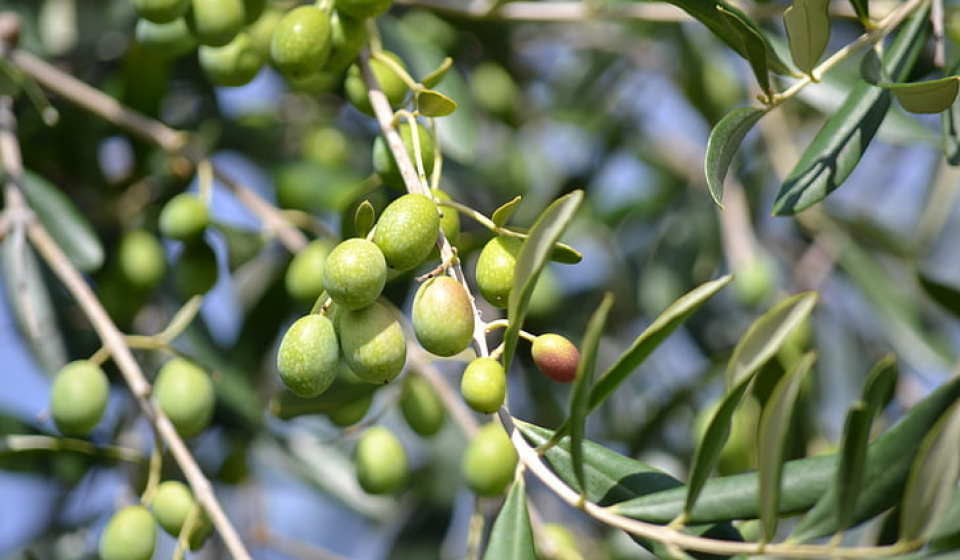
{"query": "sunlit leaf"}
pixel 512 536
pixel 772 437
pixel 364 218
pixel 435 104
pixel 723 143
pixel 808 31
pixel 435 77
pixel 944 294
pixel 502 214
pixel 932 96
pixel 752 45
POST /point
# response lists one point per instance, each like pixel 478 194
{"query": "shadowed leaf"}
pixel 723 143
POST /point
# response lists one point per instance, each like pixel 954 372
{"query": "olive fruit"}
pixel 355 273
pixel 442 316
pixel 78 397
pixel 304 278
pixel 363 8
pixel 381 461
pixel 253 10
pixel 171 506
pixel 407 230
pixel 385 165
pixel 308 356
pixel 301 42
pixel 421 406
pixel 449 218
pixel 161 11
pixel 216 22
pixel 562 542
pixel 372 343
pixel 484 385
pixel 348 35
pixel 196 270
pixel 494 88
pixel 141 259
pixel 389 81
pixel 131 534
pixel 495 269
pixel 489 462
pixel 261 31
pixel 350 413
pixel 233 64
pixel 166 40
pixel 184 217
pixel 186 396
pixel 556 357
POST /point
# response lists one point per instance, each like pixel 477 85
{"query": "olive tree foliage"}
pixel 739 214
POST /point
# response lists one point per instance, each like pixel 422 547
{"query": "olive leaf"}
pixel 723 143
pixel 512 535
pixel 435 104
pixel 808 31
pixel 364 218
pixel 932 96
pixel 751 44
pixel 435 77
pixel 503 213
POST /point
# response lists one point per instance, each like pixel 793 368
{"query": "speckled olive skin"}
pixel 442 316
pixel 78 397
pixel 355 273
pixel 185 393
pixel 381 462
pixel 131 534
pixel 496 266
pixel 484 385
pixel 421 406
pixel 407 230
pixel 308 356
pixel 233 64
pixel 304 277
pixel 489 462
pixel 556 357
pixel 301 42
pixel 372 343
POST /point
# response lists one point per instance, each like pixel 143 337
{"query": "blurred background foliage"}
pixel 620 108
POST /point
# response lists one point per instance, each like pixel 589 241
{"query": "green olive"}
pixel 301 42
pixel 393 86
pixel 233 64
pixel 364 8
pixel 484 385
pixel 350 413
pixel 407 230
pixel 563 542
pixel 196 270
pixel 442 316
pixel 495 269
pixel 308 356
pixel 216 22
pixel 166 40
pixel 489 462
pixel 261 31
pixel 78 397
pixel 304 278
pixel 372 342
pixel 161 11
pixel 131 534
pixel 185 394
pixel 421 406
pixel 381 461
pixel 140 259
pixel 171 506
pixel 385 165
pixel 355 273
pixel 556 357
pixel 184 217
pixel 348 35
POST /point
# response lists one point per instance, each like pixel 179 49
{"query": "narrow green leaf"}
pixel 580 396
pixel 546 231
pixel 565 254
pixel 933 479
pixel 751 42
pixel 766 335
pixel 512 536
pixel 66 224
pixel 950 125
pixel 772 437
pixel 944 294
pixel 364 218
pixel 862 9
pixel 502 214
pixel 837 148
pixel 808 32
pixel 723 143
pixel 435 104
pixel 931 96
pixel 435 77
pixel 652 336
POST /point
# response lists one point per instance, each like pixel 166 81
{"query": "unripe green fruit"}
pixel 184 217
pixel 385 165
pixel 407 230
pixel 233 64
pixel 186 396
pixel 442 316
pixel 196 270
pixel 381 461
pixel 261 30
pixel 348 35
pixel 562 542
pixel 78 397
pixel 161 11
pixel 355 273
pixel 449 218
pixel 372 343
pixel 167 40
pixel 556 357
pixel 308 356
pixel 141 259
pixel 363 8
pixel 252 10
pixel 352 412
pixel 754 280
pixel 494 88
pixel 421 406
pixel 216 22
pixel 484 385
pixel 131 534
pixel 301 42
pixel 171 506
pixel 495 269
pixel 489 462
pixel 304 279
pixel 390 83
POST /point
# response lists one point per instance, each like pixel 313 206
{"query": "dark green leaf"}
pixel 66 224
pixel 580 396
pixel 502 214
pixel 435 77
pixel 435 104
pixel 511 536
pixel 751 44
pixel 565 254
pixel 871 67
pixel 837 148
pixel 364 218
pixel 724 141
pixel 862 9
pixel 808 31
pixel 944 294
pixel 772 437
pixel 932 96
pixel 651 337
pixel 544 234
pixel 950 126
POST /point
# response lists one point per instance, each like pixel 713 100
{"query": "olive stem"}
pixel 154 470
pixel 17 443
